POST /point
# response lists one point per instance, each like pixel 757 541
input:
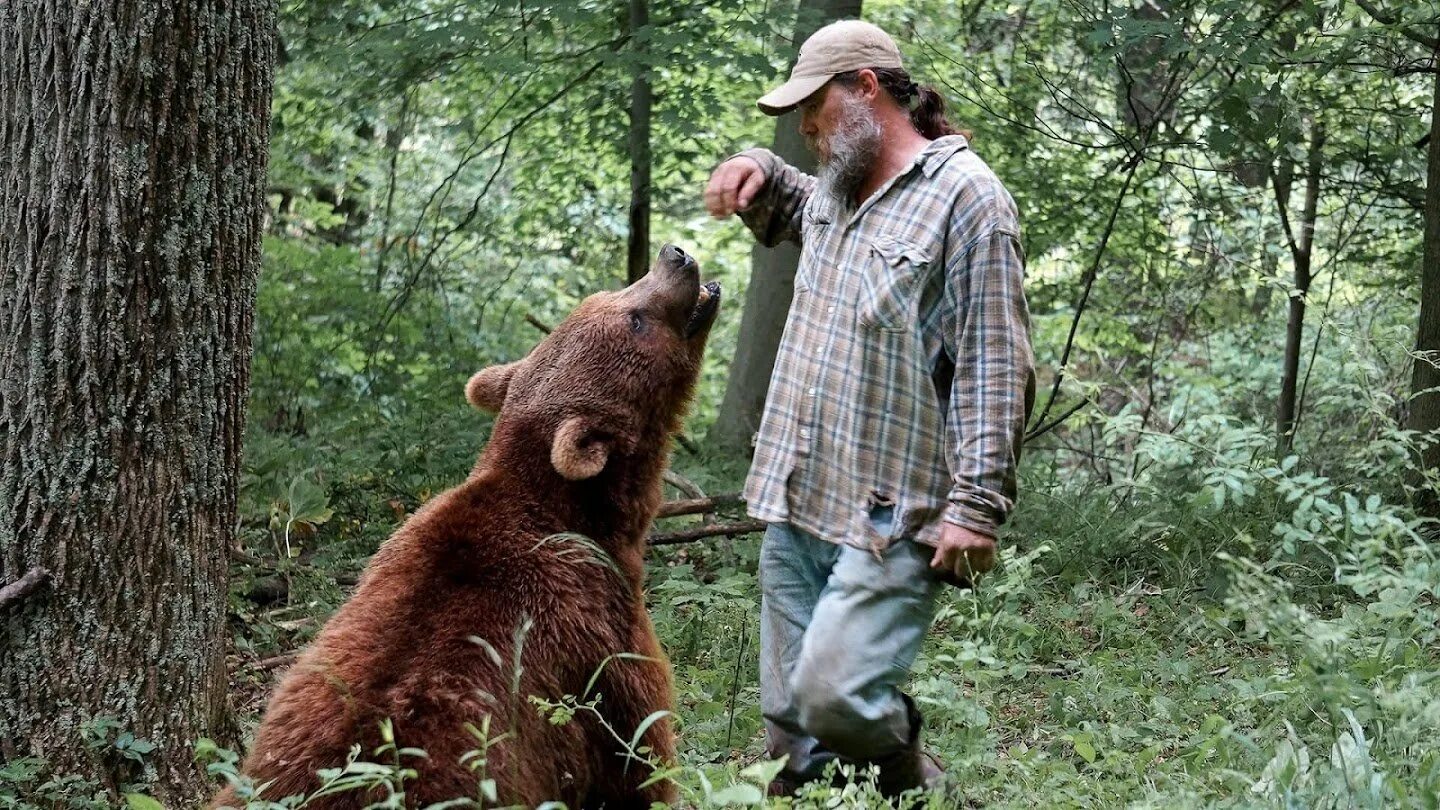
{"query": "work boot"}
pixel 780 787
pixel 908 769
pixel 911 767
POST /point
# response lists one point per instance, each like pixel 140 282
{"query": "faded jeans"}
pixel 839 631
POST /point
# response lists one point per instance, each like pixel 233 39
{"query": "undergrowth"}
pixel 1180 617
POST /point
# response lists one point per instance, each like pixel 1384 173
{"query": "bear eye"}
pixel 636 322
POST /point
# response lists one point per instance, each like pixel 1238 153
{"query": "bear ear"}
pixel 578 451
pixel 486 390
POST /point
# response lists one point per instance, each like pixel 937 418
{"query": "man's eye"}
pixel 636 324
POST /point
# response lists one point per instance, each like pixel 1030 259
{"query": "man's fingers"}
pixel 731 188
pixel 714 196
pixel 752 185
pixel 938 560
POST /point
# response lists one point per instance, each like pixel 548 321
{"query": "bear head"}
pixel 612 381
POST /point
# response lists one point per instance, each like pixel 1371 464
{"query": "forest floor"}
pixel 1111 660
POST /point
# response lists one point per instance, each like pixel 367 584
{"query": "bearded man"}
pixel 886 455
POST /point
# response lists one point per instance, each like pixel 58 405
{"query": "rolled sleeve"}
pixel 776 213
pixel 994 383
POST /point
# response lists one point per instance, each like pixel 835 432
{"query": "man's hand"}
pixel 963 553
pixel 733 186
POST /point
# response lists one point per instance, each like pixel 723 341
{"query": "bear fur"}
pixel 493 570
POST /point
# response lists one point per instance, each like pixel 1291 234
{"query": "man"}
pixel 885 459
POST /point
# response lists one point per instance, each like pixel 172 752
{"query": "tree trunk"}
pixel 132 161
pixel 638 262
pixel 1425 402
pixel 1301 251
pixel 772 273
pixel 1144 69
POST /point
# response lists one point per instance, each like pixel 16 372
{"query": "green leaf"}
pixel 740 793
pixel 764 771
pixel 645 726
pixel 137 801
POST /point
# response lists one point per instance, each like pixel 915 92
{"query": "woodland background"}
pixel 1220 588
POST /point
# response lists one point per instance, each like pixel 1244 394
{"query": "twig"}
pixel 24 586
pixel 537 323
pixel 1043 429
pixel 283 659
pixel 248 559
pixel 735 682
pixel 702 532
pixel 697 506
pixel 1413 34
pixel 1090 275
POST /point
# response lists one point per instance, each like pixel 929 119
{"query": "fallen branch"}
pixel 240 556
pixel 697 506
pixel 702 532
pixel 24 586
pixel 683 484
pixel 283 659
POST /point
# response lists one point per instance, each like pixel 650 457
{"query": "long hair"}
pixel 926 105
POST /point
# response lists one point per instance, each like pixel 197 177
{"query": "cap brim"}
pixel 788 96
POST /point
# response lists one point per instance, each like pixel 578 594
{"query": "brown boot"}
pixel 781 787
pixel 911 767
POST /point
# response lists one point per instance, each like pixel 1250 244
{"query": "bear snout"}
pixel 674 257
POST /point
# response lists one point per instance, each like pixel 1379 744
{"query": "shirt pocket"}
pixel 887 287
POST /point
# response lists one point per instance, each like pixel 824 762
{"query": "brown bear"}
pixel 537 557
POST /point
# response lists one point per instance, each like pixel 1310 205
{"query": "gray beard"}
pixel 852 150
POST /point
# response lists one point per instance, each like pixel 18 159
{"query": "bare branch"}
pixel 712 530
pixel 24 586
pixel 1090 274
pixel 281 660
pixel 683 484
pixel 538 324
pixel 697 506
pixel 1413 34
pixel 1056 422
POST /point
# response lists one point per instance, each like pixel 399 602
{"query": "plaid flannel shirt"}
pixel 904 376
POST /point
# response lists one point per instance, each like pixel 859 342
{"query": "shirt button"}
pixel 830 310
pixel 812 392
pixel 805 434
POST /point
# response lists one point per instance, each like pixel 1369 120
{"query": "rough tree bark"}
pixel 1301 252
pixel 1425 402
pixel 132 161
pixel 772 273
pixel 638 257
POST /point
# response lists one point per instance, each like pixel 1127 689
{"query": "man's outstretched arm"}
pixel 768 194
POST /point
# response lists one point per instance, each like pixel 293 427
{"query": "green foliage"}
pixel 1181 617
pixel 31 783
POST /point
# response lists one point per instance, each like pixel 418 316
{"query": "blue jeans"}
pixel 839 631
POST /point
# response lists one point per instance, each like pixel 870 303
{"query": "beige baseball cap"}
pixel 837 48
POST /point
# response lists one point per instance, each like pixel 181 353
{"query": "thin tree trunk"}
pixel 1301 251
pixel 132 162
pixel 1425 404
pixel 638 261
pixel 772 274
